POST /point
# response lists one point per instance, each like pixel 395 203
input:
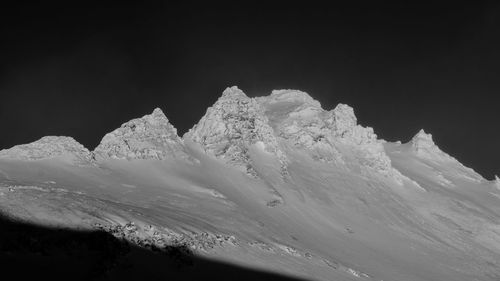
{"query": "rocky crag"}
pixel 149 137
pixel 231 126
pixel 330 136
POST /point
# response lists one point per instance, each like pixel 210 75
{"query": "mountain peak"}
pixel 48 147
pixel 299 120
pixel 424 146
pixel 344 118
pixel 149 137
pixel 157 112
pixel 292 96
pixel 233 93
pixel 423 140
pixel 233 124
pixel 497 181
pixel 423 136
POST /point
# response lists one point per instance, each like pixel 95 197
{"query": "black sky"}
pixel 82 71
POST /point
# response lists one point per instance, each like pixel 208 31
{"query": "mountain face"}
pixel 49 147
pixel 273 183
pixel 332 136
pixel 231 126
pixel 149 137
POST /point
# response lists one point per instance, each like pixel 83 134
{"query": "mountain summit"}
pixel 149 137
pixel 231 126
pixel 331 136
pixel 49 147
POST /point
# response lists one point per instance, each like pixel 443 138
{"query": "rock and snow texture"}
pixel 149 137
pixel 231 126
pixel 338 221
pixel 299 120
pixel 331 136
pixel 424 146
pixel 49 147
pixel 235 124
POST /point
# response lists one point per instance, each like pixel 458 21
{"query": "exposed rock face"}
pixel 362 140
pixel 49 147
pixel 233 124
pixel 149 137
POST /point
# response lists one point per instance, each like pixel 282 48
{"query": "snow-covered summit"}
pixel 331 136
pixel 149 137
pixel 423 145
pixel 233 124
pixel 49 147
pixel 422 140
pixel 289 95
pixel 233 93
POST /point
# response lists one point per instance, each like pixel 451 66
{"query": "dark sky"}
pixel 82 71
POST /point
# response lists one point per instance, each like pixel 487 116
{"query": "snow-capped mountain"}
pixel 149 137
pixel 274 183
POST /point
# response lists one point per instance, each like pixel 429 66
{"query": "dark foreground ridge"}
pixel 30 252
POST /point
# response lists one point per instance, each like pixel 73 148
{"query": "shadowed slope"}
pixel 30 252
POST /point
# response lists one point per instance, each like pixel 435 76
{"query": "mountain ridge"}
pixel 301 121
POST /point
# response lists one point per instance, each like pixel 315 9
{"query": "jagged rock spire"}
pixel 231 126
pixel 422 140
pixel 343 119
pixel 49 147
pixel 149 137
pixel 423 145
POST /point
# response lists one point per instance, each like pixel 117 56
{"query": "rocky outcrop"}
pixel 423 141
pixel 165 240
pixel 299 119
pixel 149 137
pixel 423 145
pixel 49 147
pixel 231 126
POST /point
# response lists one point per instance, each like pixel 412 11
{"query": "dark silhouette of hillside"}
pixel 31 252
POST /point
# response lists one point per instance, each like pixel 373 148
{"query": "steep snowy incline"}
pixel 422 151
pixel 149 137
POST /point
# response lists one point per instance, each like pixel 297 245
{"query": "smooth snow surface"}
pixel 274 183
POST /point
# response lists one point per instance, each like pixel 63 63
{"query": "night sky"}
pixel 83 71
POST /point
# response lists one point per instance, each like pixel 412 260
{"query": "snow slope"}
pixel 274 183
